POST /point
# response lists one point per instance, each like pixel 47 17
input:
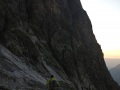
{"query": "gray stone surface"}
pixel 43 37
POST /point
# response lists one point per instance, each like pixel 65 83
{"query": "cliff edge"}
pixel 43 37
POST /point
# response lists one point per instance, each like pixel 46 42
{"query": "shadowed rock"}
pixel 43 37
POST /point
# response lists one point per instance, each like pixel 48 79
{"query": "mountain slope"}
pixel 110 63
pixel 43 37
pixel 115 72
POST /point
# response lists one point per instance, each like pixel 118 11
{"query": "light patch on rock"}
pixel 24 70
pixel 52 72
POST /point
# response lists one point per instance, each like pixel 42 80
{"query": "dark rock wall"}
pixel 50 37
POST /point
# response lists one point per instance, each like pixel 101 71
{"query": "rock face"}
pixel 43 37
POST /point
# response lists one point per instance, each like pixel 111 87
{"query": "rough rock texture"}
pixel 43 37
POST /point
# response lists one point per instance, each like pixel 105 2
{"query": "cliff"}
pixel 43 37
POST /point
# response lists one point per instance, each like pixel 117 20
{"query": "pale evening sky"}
pixel 105 18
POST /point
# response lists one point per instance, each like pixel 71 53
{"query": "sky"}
pixel 105 19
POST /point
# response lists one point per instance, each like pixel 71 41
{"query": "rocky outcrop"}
pixel 43 37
